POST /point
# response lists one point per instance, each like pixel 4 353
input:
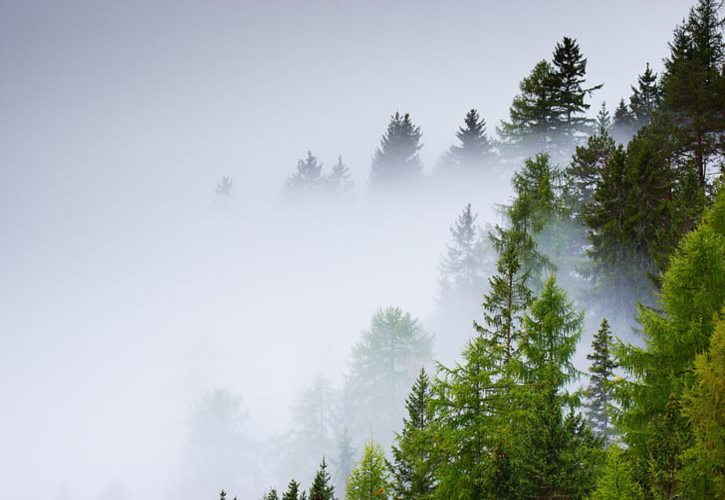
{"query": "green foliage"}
pixel 396 161
pixel 369 479
pixel 584 173
pixel 293 491
pixel 645 97
pixel 411 469
pixel 322 488
pixel 616 481
pixel 599 392
pixel 385 363
pixel 271 495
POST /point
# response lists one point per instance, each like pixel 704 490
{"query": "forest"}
pixel 621 215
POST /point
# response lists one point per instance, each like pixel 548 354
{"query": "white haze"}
pixel 127 290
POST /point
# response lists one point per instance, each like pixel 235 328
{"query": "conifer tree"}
pixel 396 162
pixel 463 264
pixel 339 180
pixel 603 121
pixel 322 488
pixel 616 481
pixel 585 171
pixel 383 368
pixel 623 123
pixel 293 491
pixel 345 459
pixel 599 392
pixel 369 479
pixel 645 97
pixel 570 68
pixel 224 187
pixel 307 178
pixel 702 474
pixel 475 149
pixel 411 470
pixel 271 495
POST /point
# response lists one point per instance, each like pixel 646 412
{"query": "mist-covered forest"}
pixel 534 310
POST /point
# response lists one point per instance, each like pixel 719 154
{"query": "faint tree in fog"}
pixel 217 444
pixel 623 123
pixel 339 180
pixel 315 418
pixel 224 187
pixel 462 267
pixel 603 121
pixel 474 151
pixel 384 365
pixel 396 162
pixel 345 459
pixel 307 178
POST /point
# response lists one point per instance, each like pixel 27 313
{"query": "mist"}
pixel 130 289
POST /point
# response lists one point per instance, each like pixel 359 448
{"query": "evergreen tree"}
pixel 599 392
pixel 384 366
pixel 396 162
pixel 307 178
pixel 585 171
pixel 692 293
pixel 224 187
pixel 603 121
pixel 411 469
pixel 345 459
pixel 462 266
pixel 693 86
pixel 339 180
pixel 271 495
pixel 623 123
pixel 293 491
pixel 616 481
pixel 703 475
pixel 645 97
pixel 570 68
pixel 322 488
pixel 532 121
pixel 475 150
pixel 369 479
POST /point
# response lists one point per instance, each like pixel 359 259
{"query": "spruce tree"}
pixel 339 180
pixel 293 491
pixel 623 123
pixel 396 162
pixel 570 68
pixel 462 266
pixel 307 178
pixel 585 171
pixel 369 478
pixel 603 121
pixel 322 488
pixel 599 391
pixel 475 149
pixel 271 495
pixel 617 481
pixel 645 97
pixel 411 470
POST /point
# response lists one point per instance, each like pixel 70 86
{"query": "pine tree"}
pixel 532 122
pixel 599 392
pixel 384 366
pixel 475 150
pixel 645 97
pixel 692 293
pixel 411 469
pixel 271 495
pixel 702 474
pixel 585 171
pixel 396 162
pixel 322 488
pixel 307 178
pixel 293 491
pixel 369 479
pixel 345 459
pixel 623 123
pixel 616 481
pixel 339 180
pixel 603 121
pixel 224 187
pixel 570 68
pixel 462 266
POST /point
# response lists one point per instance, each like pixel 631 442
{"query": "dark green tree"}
pixel 645 97
pixel 623 123
pixel 396 162
pixel 412 469
pixel 475 150
pixel 271 495
pixel 585 171
pixel 293 491
pixel 599 391
pixel 322 488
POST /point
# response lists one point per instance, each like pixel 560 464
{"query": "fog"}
pixel 128 289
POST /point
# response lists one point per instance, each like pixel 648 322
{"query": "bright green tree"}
pixel 616 481
pixel 369 479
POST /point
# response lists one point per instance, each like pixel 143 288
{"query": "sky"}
pixel 122 284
